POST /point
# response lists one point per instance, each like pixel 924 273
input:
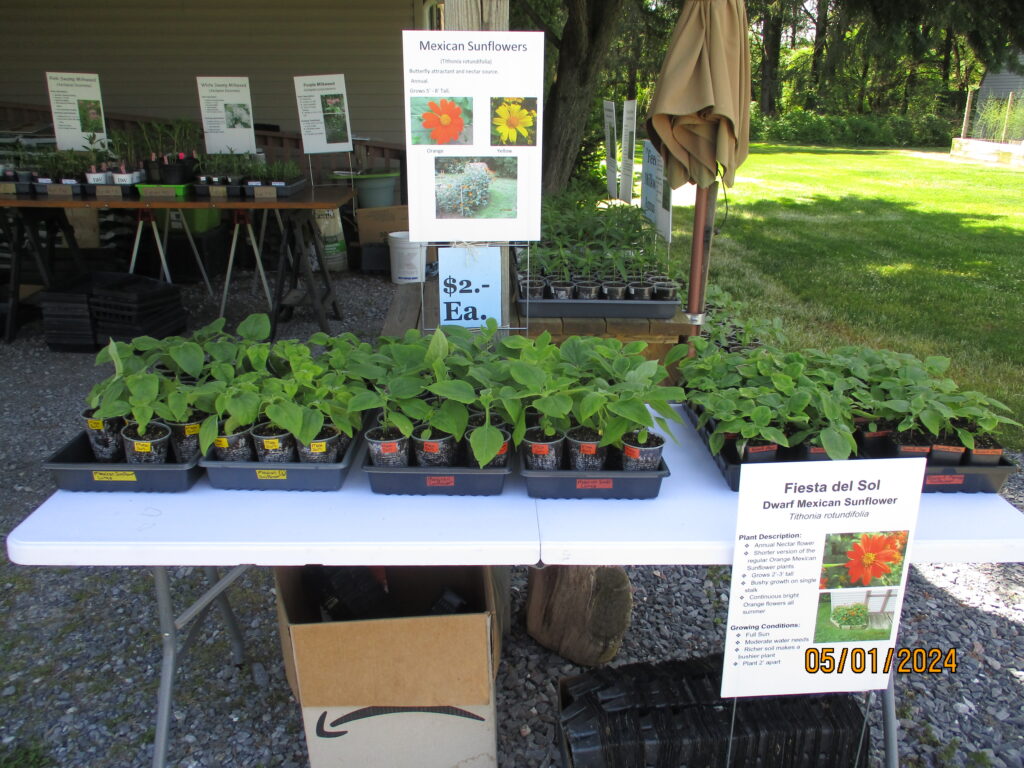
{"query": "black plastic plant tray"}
pixel 437 481
pixel 285 476
pixel 968 479
pixel 75 469
pixel 606 484
pixel 651 308
pixel 125 287
pixel 284 190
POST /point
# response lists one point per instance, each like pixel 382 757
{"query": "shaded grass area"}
pixel 897 249
pixel 826 632
pixel 502 204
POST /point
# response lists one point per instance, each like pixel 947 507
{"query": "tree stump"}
pixel 580 612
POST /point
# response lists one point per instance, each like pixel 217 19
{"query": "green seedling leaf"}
pixel 485 442
pixel 255 327
pixel 632 409
pixel 529 376
pixel 189 357
pixel 459 391
pixel 365 401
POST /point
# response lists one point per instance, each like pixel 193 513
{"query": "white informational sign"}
pixel 323 114
pixel 469 282
pixel 473 118
pixel 655 192
pixel 611 140
pixel 227 114
pixel 77 108
pixel 819 574
pixel 628 147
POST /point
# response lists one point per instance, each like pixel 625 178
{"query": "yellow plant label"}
pixel 191 429
pixel 221 442
pixel 320 447
pixel 143 447
pixel 95 424
pixel 111 476
pixel 271 444
pixel 271 474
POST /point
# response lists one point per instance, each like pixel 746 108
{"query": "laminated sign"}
pixel 473 118
pixel 77 109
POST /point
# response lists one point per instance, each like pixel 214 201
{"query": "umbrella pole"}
pixel 695 295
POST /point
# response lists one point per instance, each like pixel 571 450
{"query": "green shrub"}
pixel 855 615
pixel 800 126
pixel 464 193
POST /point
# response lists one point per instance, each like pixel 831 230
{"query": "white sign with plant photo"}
pixel 77 109
pixel 818 577
pixel 628 148
pixel 323 113
pixel 473 132
pixel 611 141
pixel 655 192
pixel 227 114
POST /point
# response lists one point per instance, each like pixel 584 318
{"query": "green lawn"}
pixel 502 203
pixel 901 249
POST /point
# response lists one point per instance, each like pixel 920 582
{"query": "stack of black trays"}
pixel 125 306
pixel 67 321
pixel 670 715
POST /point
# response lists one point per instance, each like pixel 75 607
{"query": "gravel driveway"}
pixel 80 651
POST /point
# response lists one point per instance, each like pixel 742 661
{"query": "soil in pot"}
pixel 986 452
pixel 910 443
pixel 185 437
pixel 149 447
pixel 640 291
pixel 560 289
pixel 104 436
pixel 585 453
pixel 641 457
pixel 327 447
pixel 614 290
pixel 387 447
pixel 587 289
pixel 273 444
pixel 435 449
pixel 234 447
pixel 543 452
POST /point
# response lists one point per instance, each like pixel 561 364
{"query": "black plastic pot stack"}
pixel 669 715
pixel 125 306
pixel 67 320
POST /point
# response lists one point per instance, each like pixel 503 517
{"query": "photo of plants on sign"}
pixel 863 559
pixel 90 116
pixel 475 187
pixel 513 121
pixel 856 614
pixel 335 124
pixel 441 121
pixel 238 115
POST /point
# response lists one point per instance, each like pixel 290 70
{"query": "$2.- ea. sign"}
pixel 469 285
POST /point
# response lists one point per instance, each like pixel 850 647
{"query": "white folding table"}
pixel 691 522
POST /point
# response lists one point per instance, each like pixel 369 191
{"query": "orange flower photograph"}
pixel 441 120
pixel 869 559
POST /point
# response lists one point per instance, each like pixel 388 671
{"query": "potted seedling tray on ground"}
pixel 75 468
pixel 603 484
pixel 273 189
pixel 279 476
pixel 437 481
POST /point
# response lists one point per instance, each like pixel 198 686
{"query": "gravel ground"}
pixel 80 652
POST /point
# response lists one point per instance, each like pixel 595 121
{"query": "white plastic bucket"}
pixel 408 260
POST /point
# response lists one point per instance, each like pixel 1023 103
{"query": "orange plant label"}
pixel 389 448
pixel 440 481
pixel 631 451
pixel 987 451
pixel 588 449
pixel 431 447
pixel 504 448
pixel 944 479
pixel 601 482
pixel 539 450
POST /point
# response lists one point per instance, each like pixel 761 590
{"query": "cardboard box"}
pixel 374 224
pixel 409 692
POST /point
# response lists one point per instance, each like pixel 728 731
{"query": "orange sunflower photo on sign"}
pixel 513 122
pixel 441 120
pixel 872 559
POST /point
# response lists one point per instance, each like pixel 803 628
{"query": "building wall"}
pixel 149 52
pixel 1001 84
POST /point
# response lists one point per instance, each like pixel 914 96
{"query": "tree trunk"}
pixel 491 15
pixel 589 29
pixel 818 56
pixel 771 45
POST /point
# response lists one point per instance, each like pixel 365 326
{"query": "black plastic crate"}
pixel 671 714
pixel 284 476
pixel 604 484
pixel 74 468
pixel 437 481
pixel 650 308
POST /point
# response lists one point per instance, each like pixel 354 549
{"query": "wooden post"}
pixel 1006 120
pixel 967 115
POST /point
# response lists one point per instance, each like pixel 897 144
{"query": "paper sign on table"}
pixel 77 108
pixel 819 573
pixel 473 119
pixel 628 147
pixel 611 141
pixel 323 113
pixel 655 192
pixel 227 114
pixel 469 281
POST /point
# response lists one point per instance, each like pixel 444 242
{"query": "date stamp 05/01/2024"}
pixel 829 660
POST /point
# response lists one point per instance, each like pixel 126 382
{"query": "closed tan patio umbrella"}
pixel 700 117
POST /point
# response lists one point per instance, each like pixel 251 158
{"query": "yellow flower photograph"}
pixel 513 122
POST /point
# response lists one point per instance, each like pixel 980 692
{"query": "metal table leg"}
pixel 169 632
pixel 892 747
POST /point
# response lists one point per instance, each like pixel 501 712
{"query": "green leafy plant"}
pixel 854 615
